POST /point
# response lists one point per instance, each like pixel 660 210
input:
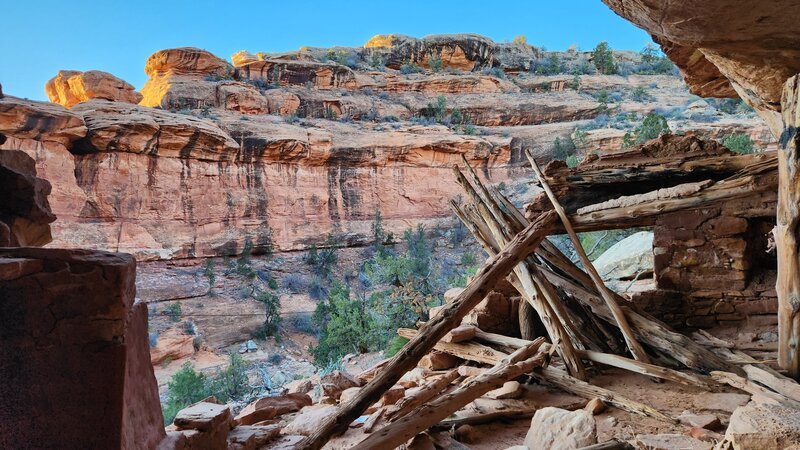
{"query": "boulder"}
pixel 42 121
pixel 559 429
pixel 494 314
pixel 270 407
pixel 299 73
pixel 334 383
pixel 438 361
pixel 71 313
pixel 186 61
pixel 348 394
pixel 303 386
pixel 173 344
pixel 25 211
pixel 120 127
pixel 204 416
pixel 71 87
pixel 245 437
pixel 627 258
pixel 309 420
pixel 670 442
pixel 763 427
pixel 205 425
pixel 458 51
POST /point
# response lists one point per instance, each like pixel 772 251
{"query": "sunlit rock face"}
pixel 748 46
pixel 281 149
pixel 457 51
pixel 71 87
pixel 160 184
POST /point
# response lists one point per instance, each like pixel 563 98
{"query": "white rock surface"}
pixel 559 429
pixel 627 257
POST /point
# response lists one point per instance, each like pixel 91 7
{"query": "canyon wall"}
pixel 281 150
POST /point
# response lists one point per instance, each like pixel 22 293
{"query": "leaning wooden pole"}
pixel 395 434
pixel 482 283
pixel 786 231
pixel 619 316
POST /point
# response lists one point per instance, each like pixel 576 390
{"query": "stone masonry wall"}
pixel 74 356
pixel 712 268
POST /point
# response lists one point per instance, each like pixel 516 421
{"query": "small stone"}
pixel 595 406
pixel 704 434
pixel 720 401
pixel 511 389
pixel 467 434
pixel 335 382
pixel 708 421
pixel 671 442
pixel 559 429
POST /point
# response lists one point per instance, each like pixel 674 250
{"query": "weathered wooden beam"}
pixel 534 289
pixel 748 386
pixel 773 380
pixel 421 395
pixel 482 283
pixel 635 348
pixel 651 370
pixel 786 231
pixel 562 380
pixel 398 432
pixel 469 351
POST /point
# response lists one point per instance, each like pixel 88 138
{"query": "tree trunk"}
pixel 786 232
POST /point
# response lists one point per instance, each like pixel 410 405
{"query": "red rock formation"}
pixel 74 355
pixel 24 212
pixel 459 51
pixel 747 45
pixel 71 87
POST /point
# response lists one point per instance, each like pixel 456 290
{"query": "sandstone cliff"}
pixel 283 149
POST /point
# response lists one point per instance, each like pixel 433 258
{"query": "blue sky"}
pixel 42 37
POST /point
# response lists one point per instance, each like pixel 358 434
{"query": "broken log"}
pixel 619 317
pixel 398 432
pixel 650 370
pixel 533 288
pixel 748 386
pixel 642 169
pixel 469 351
pixel 650 331
pixel 421 395
pixel 460 333
pixel 482 283
pixel 773 380
pixel 787 241
pixel 562 380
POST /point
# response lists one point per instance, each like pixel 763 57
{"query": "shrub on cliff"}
pixel 231 383
pixel 184 388
pixel 739 143
pixel 652 126
pixel 640 94
pixel 346 326
pixel 272 317
pixel 603 59
pixel 322 261
pixel 519 39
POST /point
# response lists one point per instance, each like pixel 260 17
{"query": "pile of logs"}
pixel 585 324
